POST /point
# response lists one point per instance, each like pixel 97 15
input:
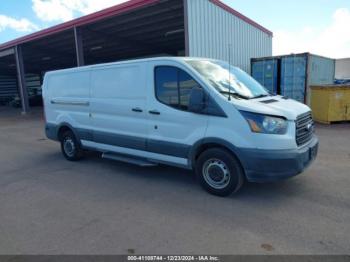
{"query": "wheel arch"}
pixel 207 143
pixel 64 127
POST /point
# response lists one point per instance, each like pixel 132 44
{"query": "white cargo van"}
pixel 198 114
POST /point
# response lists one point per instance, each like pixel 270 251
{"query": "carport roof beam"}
pixel 7 52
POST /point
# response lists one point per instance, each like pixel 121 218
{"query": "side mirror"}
pixel 197 100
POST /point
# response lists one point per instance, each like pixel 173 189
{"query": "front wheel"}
pixel 219 172
pixel 70 147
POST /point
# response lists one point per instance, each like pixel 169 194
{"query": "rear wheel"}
pixel 219 172
pixel 70 147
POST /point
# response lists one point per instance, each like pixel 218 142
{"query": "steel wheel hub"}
pixel 69 147
pixel 216 173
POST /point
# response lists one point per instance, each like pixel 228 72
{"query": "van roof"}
pixel 169 58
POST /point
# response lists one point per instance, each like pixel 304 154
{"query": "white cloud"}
pixel 52 10
pixel 64 10
pixel 332 41
pixel 20 25
pixel 91 6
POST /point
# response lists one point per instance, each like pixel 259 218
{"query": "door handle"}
pixel 154 112
pixel 137 110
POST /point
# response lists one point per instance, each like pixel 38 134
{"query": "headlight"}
pixel 265 124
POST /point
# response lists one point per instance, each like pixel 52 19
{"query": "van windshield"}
pixel 228 79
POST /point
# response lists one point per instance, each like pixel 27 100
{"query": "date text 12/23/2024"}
pixel 173 258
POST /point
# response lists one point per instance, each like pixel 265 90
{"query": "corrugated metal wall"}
pixel 8 89
pixel 212 29
pixel 33 83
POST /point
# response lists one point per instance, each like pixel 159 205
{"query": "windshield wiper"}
pixel 234 94
pixel 261 96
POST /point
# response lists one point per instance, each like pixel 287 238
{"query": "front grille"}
pixel 304 128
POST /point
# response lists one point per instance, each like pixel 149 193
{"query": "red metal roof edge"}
pixel 241 16
pixel 84 20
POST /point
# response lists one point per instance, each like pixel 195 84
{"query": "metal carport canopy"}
pixel 88 19
pixel 136 28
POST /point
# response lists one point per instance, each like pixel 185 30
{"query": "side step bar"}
pixel 128 159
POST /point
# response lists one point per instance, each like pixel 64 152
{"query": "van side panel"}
pixel 70 85
pixel 67 98
pixel 116 92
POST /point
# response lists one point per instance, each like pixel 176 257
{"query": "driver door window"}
pixel 173 87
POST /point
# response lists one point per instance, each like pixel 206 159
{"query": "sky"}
pixel 317 26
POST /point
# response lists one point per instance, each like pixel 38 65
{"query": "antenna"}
pixel 229 72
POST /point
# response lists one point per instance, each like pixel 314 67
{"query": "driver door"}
pixel 173 129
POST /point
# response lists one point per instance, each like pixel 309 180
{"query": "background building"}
pixel 342 69
pixel 134 29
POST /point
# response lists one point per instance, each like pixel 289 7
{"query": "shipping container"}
pixel 266 72
pixel 297 72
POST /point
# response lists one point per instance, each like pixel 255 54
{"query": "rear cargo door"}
pixel 68 99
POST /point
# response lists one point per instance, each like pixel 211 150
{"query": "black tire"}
pixel 70 147
pixel 219 172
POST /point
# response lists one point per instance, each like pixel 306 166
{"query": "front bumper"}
pixel 273 165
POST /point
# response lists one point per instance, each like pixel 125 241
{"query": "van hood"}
pixel 273 105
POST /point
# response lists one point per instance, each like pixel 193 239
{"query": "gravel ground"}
pixel 96 206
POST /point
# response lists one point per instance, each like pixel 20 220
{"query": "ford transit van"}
pixel 200 114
